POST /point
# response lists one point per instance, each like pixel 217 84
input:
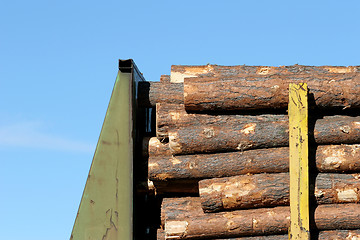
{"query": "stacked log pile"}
pixel 221 158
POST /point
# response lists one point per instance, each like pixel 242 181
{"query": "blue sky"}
pixel 58 63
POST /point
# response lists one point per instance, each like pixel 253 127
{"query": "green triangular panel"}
pixel 105 211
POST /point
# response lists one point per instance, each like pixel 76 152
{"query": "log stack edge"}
pixel 219 156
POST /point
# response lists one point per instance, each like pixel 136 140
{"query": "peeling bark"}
pixel 156 148
pixel 150 93
pixel 329 158
pixel 160 234
pixel 323 235
pixel 165 78
pixel 262 221
pixel 267 190
pixel 180 208
pixel 254 92
pixel 172 116
pixel 200 166
pixel 254 135
pixel 340 235
pixel 176 187
pixel 179 72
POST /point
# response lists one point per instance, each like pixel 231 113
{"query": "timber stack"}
pixel 220 157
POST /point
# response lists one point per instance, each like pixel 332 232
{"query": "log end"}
pixel 175 147
pixel 175 229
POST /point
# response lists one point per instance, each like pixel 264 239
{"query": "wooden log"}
pixel 269 237
pixel 254 135
pixel 156 148
pixel 328 158
pixel 267 190
pixel 338 158
pixel 165 78
pixel 179 72
pixel 150 93
pixel 200 166
pixel 171 116
pixel 323 235
pixel 230 224
pixel 180 208
pixel 160 234
pixel 175 209
pixel 184 186
pixel 337 216
pixel 256 92
pixel 261 221
pixel 340 235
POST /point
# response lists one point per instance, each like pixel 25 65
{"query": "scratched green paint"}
pixel 105 211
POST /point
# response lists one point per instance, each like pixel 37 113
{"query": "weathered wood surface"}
pixel 154 147
pixel 340 235
pixel 172 91
pixel 261 221
pixel 328 158
pixel 269 92
pixel 200 166
pixel 338 158
pixel 172 116
pixel 254 135
pixel 323 235
pixel 184 186
pixel 180 208
pixel 160 234
pixel 267 190
pixel 150 93
pixel 179 72
pixel 165 78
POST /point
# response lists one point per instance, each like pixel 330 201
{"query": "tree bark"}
pixel 184 186
pixel 165 78
pixel 179 72
pixel 339 235
pixel 150 93
pixel 323 235
pixel 267 190
pixel 160 234
pixel 256 92
pixel 262 221
pixel 180 208
pixel 153 148
pixel 172 116
pixel 329 158
pixel 254 135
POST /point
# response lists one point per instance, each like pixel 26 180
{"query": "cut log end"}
pixel 175 147
pixel 175 229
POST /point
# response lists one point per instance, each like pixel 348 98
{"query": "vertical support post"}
pixel 299 170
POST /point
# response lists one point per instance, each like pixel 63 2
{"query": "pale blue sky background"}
pixel 58 63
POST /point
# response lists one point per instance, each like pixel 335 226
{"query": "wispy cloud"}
pixel 32 135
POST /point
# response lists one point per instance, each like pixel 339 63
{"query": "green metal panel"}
pixel 106 208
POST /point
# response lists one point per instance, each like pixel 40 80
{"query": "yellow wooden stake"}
pixel 299 170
